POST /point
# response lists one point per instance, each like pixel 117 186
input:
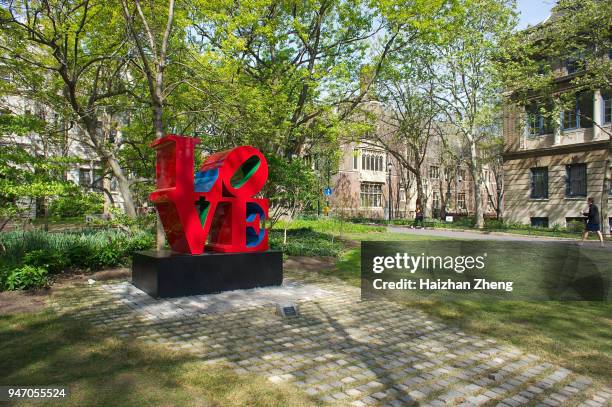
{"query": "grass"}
pixel 316 237
pixel 45 349
pixel 493 225
pixel 577 335
pixel 305 242
pixel 329 225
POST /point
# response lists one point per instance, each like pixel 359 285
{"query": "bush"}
pixel 53 261
pixel 575 226
pixel 55 252
pixel 304 242
pixel 77 205
pixel 26 277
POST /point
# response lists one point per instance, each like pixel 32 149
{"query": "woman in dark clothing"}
pixel 418 218
pixel 592 225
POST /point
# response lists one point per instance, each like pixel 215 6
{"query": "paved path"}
pixel 489 236
pixel 339 349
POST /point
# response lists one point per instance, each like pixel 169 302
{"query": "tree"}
pixel 302 60
pixel 71 57
pixel 579 31
pixel 26 174
pixel 467 84
pixel 492 154
pixel 292 187
pixel 150 31
pixel 408 121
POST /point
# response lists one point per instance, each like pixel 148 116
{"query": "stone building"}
pixel 370 183
pixel 552 164
pixel 87 173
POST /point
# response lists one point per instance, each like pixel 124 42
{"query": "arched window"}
pixel 380 163
pixel 363 161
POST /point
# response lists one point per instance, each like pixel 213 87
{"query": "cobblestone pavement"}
pixel 339 349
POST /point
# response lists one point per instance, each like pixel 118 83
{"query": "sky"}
pixel 533 11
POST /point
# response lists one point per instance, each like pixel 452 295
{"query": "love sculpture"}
pixel 217 203
pixel 212 221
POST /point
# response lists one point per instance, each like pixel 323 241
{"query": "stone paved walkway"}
pixel 340 349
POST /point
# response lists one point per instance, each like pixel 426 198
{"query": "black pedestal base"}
pixel 164 274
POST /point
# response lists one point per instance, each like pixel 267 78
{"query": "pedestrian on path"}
pixel 418 218
pixel 592 225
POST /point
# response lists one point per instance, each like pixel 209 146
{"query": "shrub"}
pixel 53 261
pixel 57 251
pixel 304 242
pixel 575 226
pixel 494 224
pixel 78 205
pixel 26 277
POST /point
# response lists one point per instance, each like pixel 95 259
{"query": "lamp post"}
pixel 389 210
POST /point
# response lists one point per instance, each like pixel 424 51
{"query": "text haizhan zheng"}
pixel 458 264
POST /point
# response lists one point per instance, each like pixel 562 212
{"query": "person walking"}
pixel 592 225
pixel 418 218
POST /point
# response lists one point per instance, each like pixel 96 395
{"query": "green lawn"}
pixel 44 349
pixel 577 335
pixel 101 369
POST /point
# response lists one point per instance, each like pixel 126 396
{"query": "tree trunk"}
pixel 158 124
pixel 605 221
pixel 477 182
pixel 421 196
pixel 124 185
pixel 158 121
pixel 500 199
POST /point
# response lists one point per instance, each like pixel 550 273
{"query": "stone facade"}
pixel 88 173
pixel 550 170
pixel 366 171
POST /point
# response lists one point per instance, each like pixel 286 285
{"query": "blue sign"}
pixel 327 191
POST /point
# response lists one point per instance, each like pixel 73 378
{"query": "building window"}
pixel 402 194
pixel 575 180
pixel 435 202
pixel 372 162
pixel 569 117
pixel 461 175
pixel 539 183
pixel 580 113
pixel 461 201
pixel 355 159
pixel 572 65
pixel 85 177
pixel 98 182
pixel 434 172
pixel 371 195
pixel 537 122
pixel 607 106
pixel 539 222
